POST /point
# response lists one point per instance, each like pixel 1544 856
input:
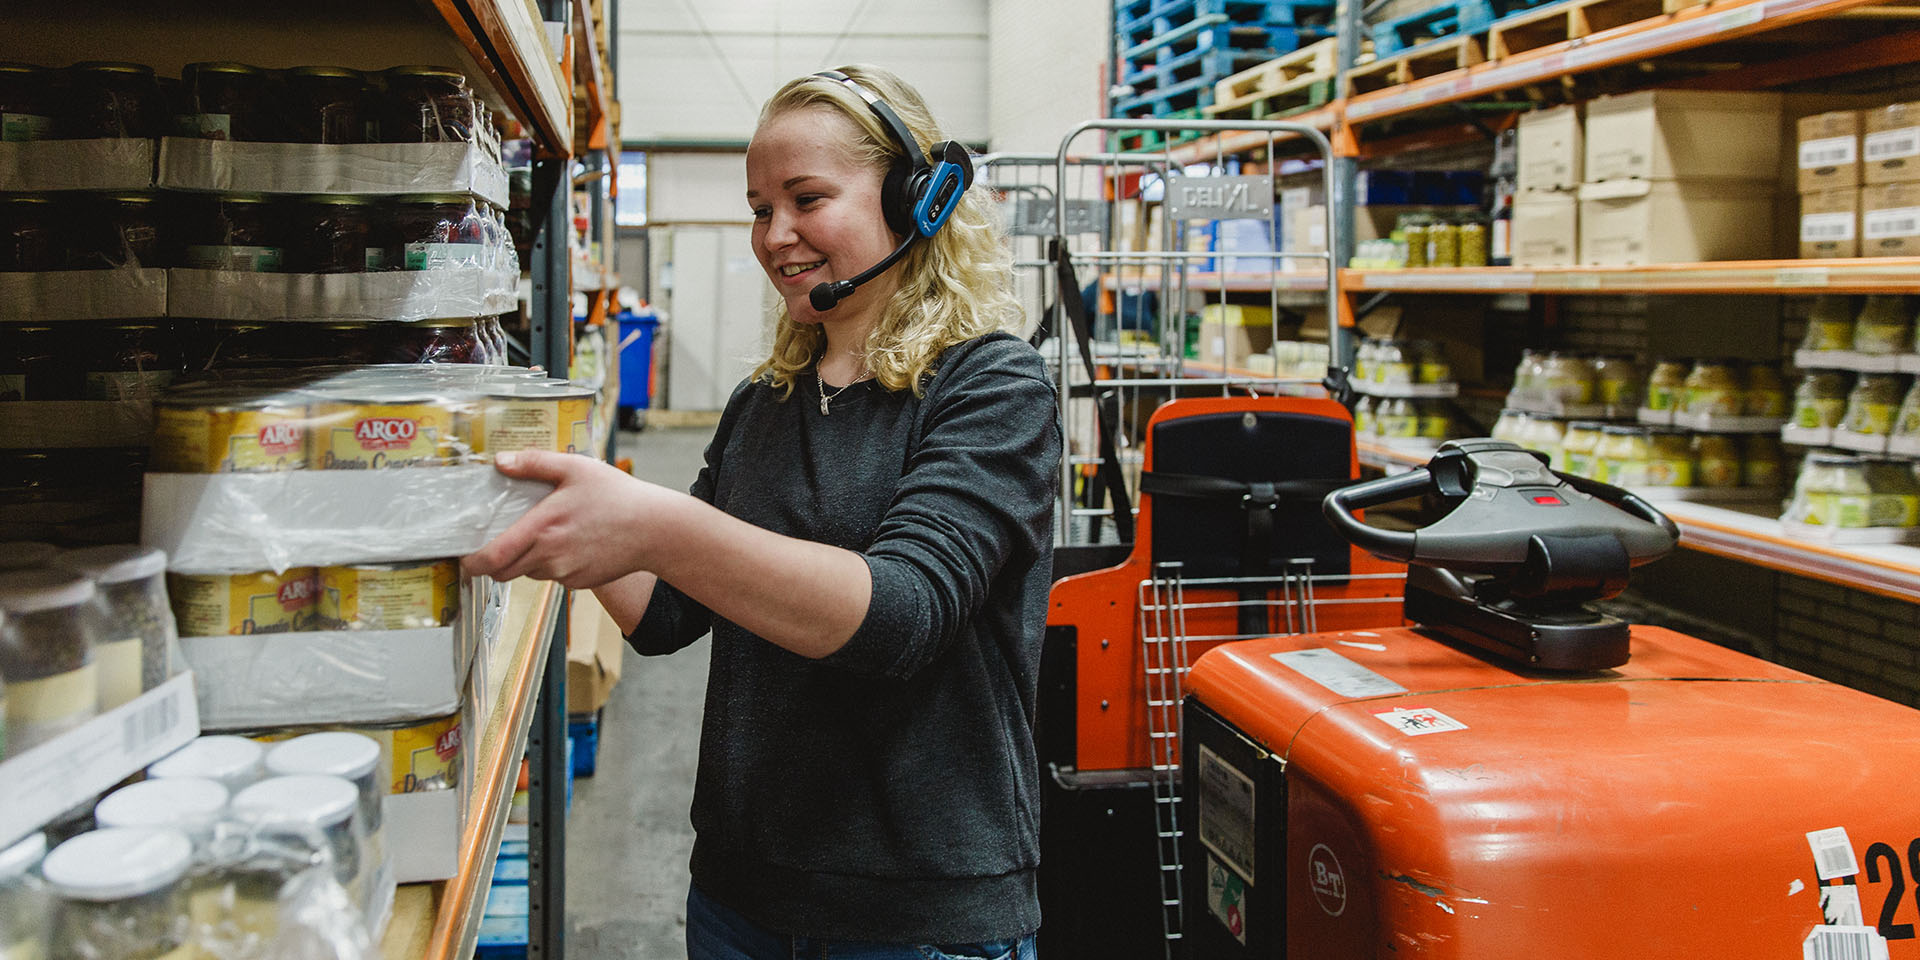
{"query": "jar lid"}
pixel 1623 429
pixel 341 199
pixel 117 863
pixel 26 554
pixel 111 66
pixel 9 66
pixel 172 802
pixel 21 857
pixel 1667 431
pixel 1594 425
pixel 426 70
pixel 1835 459
pixel 437 199
pixel 221 66
pixel 218 757
pixel 32 591
pixel 337 73
pixel 128 198
pixel 335 753
pixel 26 198
pixel 305 800
pixel 115 563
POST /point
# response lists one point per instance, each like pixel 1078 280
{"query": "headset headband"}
pixel 892 120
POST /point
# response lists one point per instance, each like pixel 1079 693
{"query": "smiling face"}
pixel 816 214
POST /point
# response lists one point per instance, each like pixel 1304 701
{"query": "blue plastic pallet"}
pixel 1146 15
pixel 510 870
pixel 1448 20
pixel 501 938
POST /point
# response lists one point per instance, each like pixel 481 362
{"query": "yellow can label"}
pixel 247 603
pixel 389 596
pixel 217 440
pixel 375 436
pixel 427 756
pixel 563 424
pixel 576 424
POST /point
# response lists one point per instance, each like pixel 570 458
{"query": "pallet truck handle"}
pixel 1385 544
pixel 1623 499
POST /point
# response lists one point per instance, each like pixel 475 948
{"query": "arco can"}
pixel 535 416
pixel 389 596
pixel 383 434
pixel 228 436
pixel 216 605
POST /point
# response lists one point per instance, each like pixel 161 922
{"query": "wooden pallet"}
pixel 1301 95
pixel 1279 74
pixel 1426 60
pixel 1560 22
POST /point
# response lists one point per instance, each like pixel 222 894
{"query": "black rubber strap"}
pixel 1076 310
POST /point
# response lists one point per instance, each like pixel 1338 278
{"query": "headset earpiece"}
pixel 917 197
pixel 897 197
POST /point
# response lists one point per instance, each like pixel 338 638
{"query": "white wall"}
pixel 704 187
pixel 1045 63
pixel 699 69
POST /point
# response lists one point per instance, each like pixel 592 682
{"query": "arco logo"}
pixel 296 593
pixel 385 433
pixel 448 744
pixel 279 437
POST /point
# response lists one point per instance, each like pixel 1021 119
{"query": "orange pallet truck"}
pixel 1230 544
pixel 1520 776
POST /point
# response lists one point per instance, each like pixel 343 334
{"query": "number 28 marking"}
pixel 1882 851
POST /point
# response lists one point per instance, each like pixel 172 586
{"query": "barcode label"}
pixel 150 723
pixel 1826 152
pixel 1891 222
pixel 1893 144
pixel 1840 905
pixel 1833 853
pixel 1822 227
pixel 1844 943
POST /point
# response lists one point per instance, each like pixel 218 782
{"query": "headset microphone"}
pixel 826 296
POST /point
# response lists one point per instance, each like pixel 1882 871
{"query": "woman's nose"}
pixel 779 231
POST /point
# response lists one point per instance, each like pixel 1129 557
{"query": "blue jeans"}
pixel 717 932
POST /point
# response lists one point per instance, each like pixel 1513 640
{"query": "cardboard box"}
pixel 1545 229
pixel 1890 220
pixel 328 676
pixel 1632 222
pixel 1890 145
pixel 595 647
pixel 1830 224
pixel 1230 333
pixel 1683 134
pixel 1829 154
pixel 1552 154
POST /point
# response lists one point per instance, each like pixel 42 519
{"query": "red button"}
pixel 1549 500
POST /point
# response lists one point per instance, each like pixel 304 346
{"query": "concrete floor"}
pixel 628 837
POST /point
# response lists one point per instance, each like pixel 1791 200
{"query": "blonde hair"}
pixel 954 286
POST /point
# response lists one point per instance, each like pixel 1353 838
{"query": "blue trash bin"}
pixel 636 358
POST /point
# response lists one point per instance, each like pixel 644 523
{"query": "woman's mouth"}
pixel 793 270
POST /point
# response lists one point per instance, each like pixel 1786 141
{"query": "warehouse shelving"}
pixel 1870 275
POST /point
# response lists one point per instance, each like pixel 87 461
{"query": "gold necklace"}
pixel 825 397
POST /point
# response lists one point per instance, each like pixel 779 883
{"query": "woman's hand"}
pixel 595 527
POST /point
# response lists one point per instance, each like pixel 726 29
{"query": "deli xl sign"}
pixel 1220 198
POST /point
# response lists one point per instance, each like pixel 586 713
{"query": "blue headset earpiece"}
pixel 918 197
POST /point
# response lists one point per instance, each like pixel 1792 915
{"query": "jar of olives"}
pixel 1872 404
pixel 1832 492
pixel 122 895
pixel 1830 325
pixel 1667 385
pixel 1620 458
pixel 1820 401
pixel 1760 461
pixel 1718 458
pixel 1764 394
pixel 1884 325
pixel 1577 447
pixel 1713 389
pixel 1619 379
pixel 1669 457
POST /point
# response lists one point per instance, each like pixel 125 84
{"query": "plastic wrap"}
pixel 98 164
pixel 62 295
pixel 368 168
pixel 456 290
pixel 263 892
pixel 329 676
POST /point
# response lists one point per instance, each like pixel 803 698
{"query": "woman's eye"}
pixel 761 213
pixel 807 200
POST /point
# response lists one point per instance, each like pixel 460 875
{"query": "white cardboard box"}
pixel 1545 230
pixel 1632 222
pixel 1551 150
pixel 69 424
pixel 357 168
pixel 104 164
pixel 463 291
pixel 423 833
pixel 1670 134
pixel 253 681
pixel 71 769
pixel 132 293
pixel 245 522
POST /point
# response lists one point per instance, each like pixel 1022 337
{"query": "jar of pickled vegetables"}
pixel 1363 360
pixel 1511 425
pixel 1830 325
pixel 1620 458
pixel 1618 379
pixel 1765 396
pixel 1430 363
pixel 1760 461
pixel 1392 363
pixel 1569 379
pixel 1435 422
pixel 1396 420
pixel 1545 434
pixel 1895 492
pixel 1832 492
pixel 1669 457
pixel 1821 399
pixel 1363 419
pixel 1576 447
pixel 1717 459
pixel 1884 325
pixel 1872 404
pixel 1713 388
pixel 1666 386
pixel 1907 422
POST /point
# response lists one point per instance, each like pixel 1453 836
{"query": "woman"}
pixel 870 545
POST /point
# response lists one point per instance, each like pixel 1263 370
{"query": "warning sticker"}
pixel 1844 943
pixel 1418 721
pixel 1226 812
pixel 1833 853
pixel 1227 899
pixel 1337 673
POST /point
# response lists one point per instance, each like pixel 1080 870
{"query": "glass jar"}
pixel 230 101
pixel 1760 462
pixel 127 360
pixel 1618 379
pixel 1443 245
pixel 334 234
pixel 1435 422
pixel 1392 363
pixel 26 103
pixel 122 895
pixel 1620 458
pixel 1669 457
pixel 1510 426
pixel 234 762
pixel 1418 247
pixel 114 100
pixel 1832 492
pixel 1907 421
pixel 1473 244
pixel 190 805
pixel 36 365
pixel 1820 401
pixel 1528 373
pixel 1397 420
pixel 1884 325
pixel 1713 389
pixel 1577 447
pixel 132 586
pixel 1363 419
pixel 1765 395
pixel 328 105
pixel 1363 360
pixel 1545 434
pixel 349 756
pixel 1719 460
pixel 427 104
pixel 1895 492
pixel 436 341
pixel 47 655
pixel 1569 379
pixel 1829 325
pixel 29 240
pixel 23 902
pixel 242 232
pixel 117 230
pixel 1430 363
pixel 1667 384
pixel 1872 404
pixel 439 231
pixel 325 804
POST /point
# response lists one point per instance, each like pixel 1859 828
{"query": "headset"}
pixel 917 197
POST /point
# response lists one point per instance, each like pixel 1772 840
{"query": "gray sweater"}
pixel 888 791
